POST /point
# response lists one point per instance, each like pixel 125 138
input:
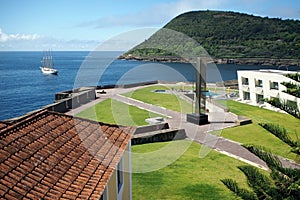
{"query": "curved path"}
pixel 201 134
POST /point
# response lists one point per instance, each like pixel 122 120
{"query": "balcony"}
pixel 259 90
pixel 245 88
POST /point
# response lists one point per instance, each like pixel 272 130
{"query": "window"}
pixel 274 85
pixel 245 81
pixel 104 196
pixel 259 98
pixel 258 83
pixel 246 96
pixel 120 175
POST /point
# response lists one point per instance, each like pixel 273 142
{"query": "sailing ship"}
pixel 47 64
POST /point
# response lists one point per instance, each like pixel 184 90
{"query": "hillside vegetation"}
pixel 224 35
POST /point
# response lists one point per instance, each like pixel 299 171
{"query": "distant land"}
pixel 228 37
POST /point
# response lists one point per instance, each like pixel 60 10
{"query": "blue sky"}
pixel 82 25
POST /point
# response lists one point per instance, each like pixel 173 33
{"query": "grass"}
pixel 189 177
pixel 169 101
pixel 115 112
pixel 255 134
pixel 263 115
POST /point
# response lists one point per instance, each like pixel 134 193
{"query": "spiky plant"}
pixel 284 183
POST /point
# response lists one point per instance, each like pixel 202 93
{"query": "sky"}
pixel 85 24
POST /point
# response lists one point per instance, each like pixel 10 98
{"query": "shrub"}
pixel 279 132
pixel 284 182
pixel 288 106
pixel 295 76
pixel 292 89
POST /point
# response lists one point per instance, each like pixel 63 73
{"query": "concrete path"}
pixel 101 97
pixel 201 134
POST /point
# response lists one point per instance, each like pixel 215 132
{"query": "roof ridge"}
pixel 24 121
pixel 100 123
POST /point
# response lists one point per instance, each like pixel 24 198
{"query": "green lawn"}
pixel 169 101
pixel 189 177
pixel 255 134
pixel 115 112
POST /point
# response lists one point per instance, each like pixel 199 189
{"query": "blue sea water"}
pixel 24 88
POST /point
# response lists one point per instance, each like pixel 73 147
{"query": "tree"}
pixel 218 30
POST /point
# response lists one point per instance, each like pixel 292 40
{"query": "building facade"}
pixel 257 85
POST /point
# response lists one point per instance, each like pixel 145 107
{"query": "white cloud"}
pixel 15 42
pixel 4 37
pixel 48 43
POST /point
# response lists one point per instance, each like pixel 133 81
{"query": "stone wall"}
pixel 73 99
pixel 158 136
pixel 156 127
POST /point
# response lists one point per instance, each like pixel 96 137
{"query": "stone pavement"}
pixel 201 134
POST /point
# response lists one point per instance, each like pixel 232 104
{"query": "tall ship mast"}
pixel 47 63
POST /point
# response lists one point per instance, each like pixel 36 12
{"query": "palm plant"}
pixel 283 183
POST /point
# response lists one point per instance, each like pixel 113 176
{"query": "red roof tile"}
pixel 3 125
pixel 48 155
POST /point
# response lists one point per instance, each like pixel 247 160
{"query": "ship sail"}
pixel 47 64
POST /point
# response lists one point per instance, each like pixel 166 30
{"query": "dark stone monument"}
pixel 199 117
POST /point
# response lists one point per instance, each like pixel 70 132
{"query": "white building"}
pixel 255 85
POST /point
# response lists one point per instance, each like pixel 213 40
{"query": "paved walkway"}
pixel 201 134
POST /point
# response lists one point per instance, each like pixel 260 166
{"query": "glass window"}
pixel 120 175
pixel 274 86
pixel 246 96
pixel 259 83
pixel 104 195
pixel 245 81
pixel 259 98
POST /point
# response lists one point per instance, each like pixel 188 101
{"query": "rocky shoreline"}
pixel 237 61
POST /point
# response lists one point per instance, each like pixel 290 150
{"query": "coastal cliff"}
pixel 226 37
pixel 237 61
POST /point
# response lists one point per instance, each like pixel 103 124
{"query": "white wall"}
pixel 267 78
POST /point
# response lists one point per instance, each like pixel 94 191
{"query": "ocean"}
pixel 24 88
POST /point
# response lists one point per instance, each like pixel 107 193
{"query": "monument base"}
pixel 199 119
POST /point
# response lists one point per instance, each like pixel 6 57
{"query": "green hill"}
pixel 225 36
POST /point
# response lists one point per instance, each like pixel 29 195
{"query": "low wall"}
pixel 131 85
pixel 158 136
pixel 156 127
pixel 242 120
pixel 137 84
pixel 79 97
pixel 71 93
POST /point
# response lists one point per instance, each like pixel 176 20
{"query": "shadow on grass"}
pixel 151 182
pixel 202 191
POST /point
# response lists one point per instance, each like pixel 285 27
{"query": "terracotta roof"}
pixel 2 125
pixel 50 155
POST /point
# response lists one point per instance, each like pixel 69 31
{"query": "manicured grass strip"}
pixel 189 177
pixel 257 115
pixel 255 134
pixel 169 101
pixel 115 112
